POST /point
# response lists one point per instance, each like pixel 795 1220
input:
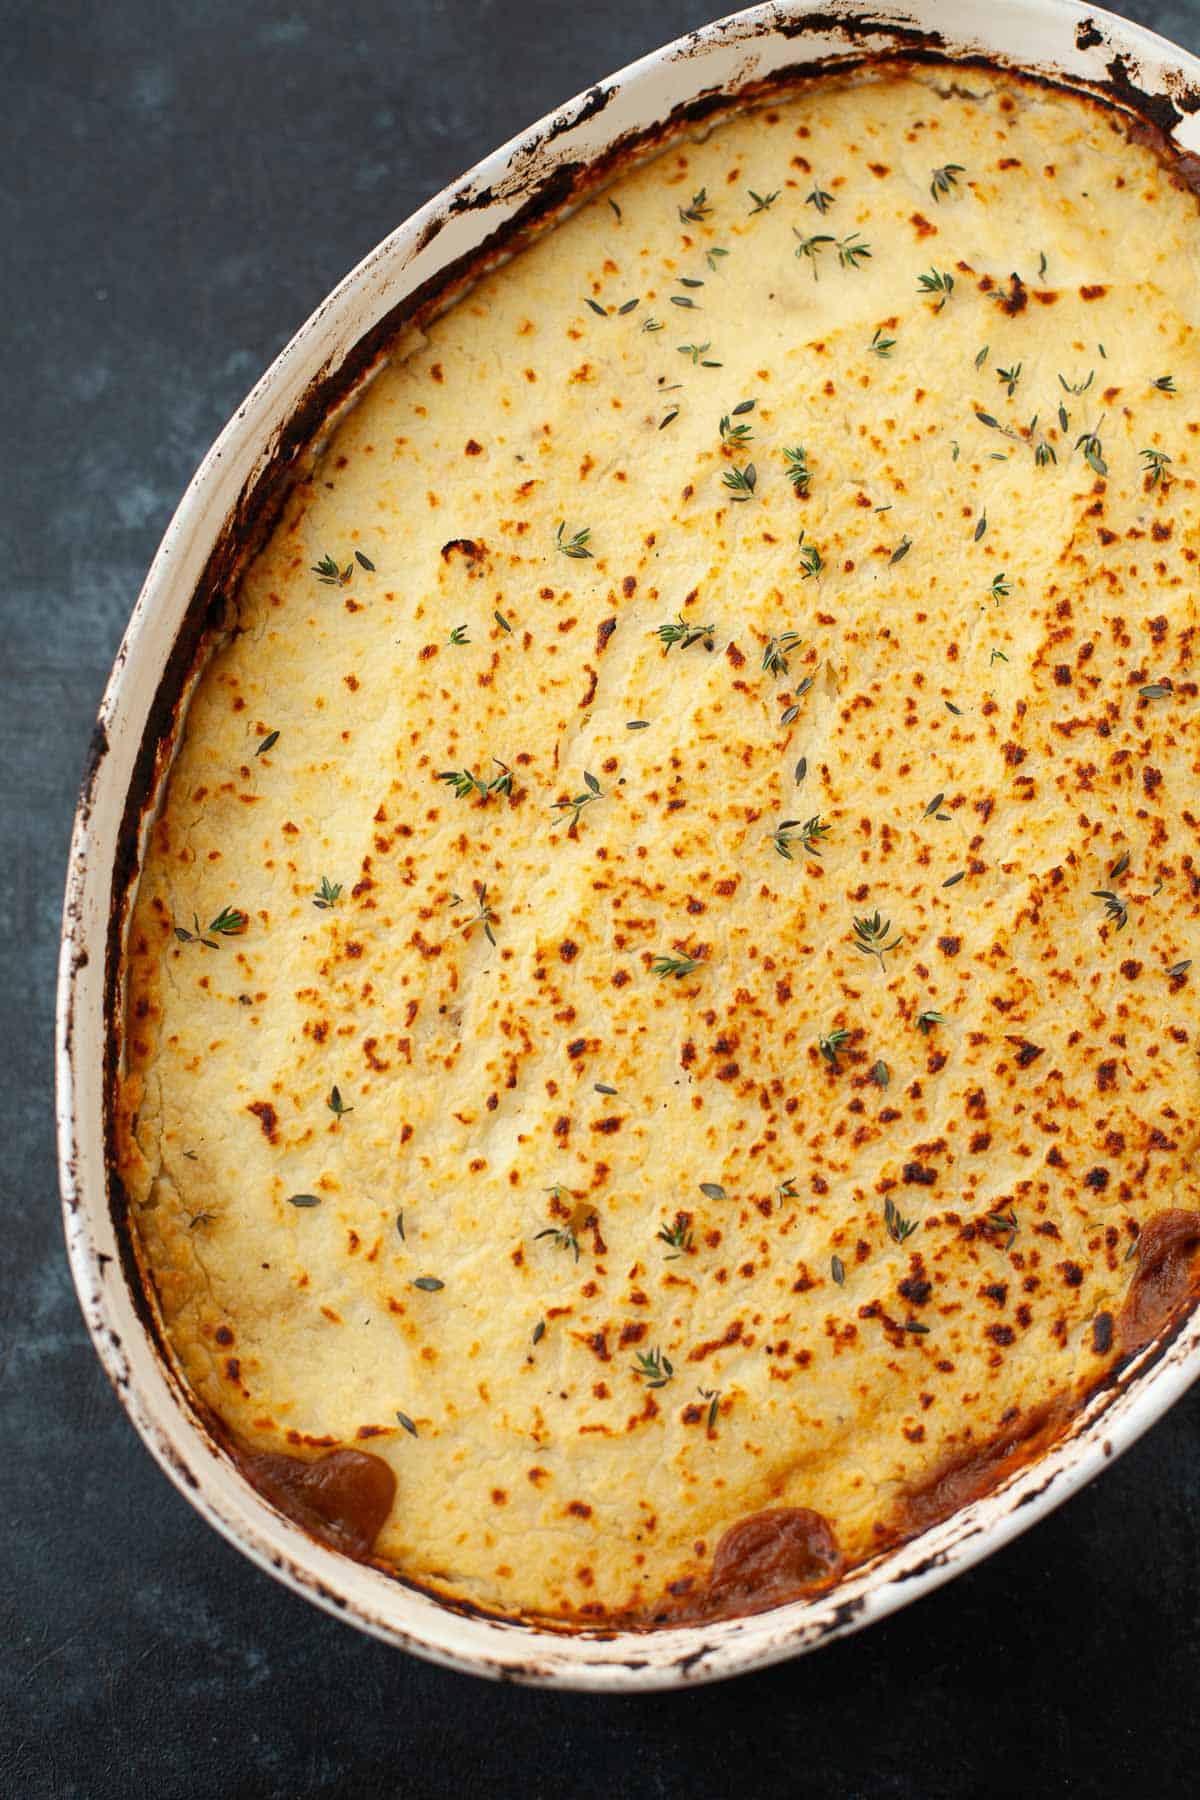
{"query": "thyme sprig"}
pixel 678 1237
pixel 798 471
pixel 898 1227
pixel 563 1237
pixel 678 966
pixel 812 246
pixel 1156 466
pixel 1001 1225
pixel 778 649
pixel 820 199
pixel 880 345
pixel 576 804
pixel 945 180
pixel 575 546
pixel 741 482
pixel 679 631
pixel 829 1043
pixel 698 210
pixel 810 559
pixel 327 895
pixel 464 781
pixel 713 1396
pixel 1115 908
pixel 229 922
pixel 336 1104
pixel 736 435
pixel 762 202
pixel 937 281
pixel 653 1368
pixel 1076 387
pixel 696 352
pixel 871 936
pixel 329 574
pixel 808 835
pixel 485 914
pixel 1093 454
pixel 928 1018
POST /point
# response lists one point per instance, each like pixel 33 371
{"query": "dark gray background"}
pixel 182 185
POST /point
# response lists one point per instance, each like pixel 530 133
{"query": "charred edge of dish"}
pixel 261 501
pixel 856 28
pixel 136 1280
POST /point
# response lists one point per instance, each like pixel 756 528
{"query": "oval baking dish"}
pixel 222 520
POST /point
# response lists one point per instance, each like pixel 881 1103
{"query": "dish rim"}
pixel 762 41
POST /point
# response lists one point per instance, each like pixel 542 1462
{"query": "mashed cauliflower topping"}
pixel 659 990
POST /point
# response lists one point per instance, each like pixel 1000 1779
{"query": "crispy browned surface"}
pixel 686 1255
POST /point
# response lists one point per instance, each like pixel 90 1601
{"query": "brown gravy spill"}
pixel 342 1498
pixel 1165 1275
pixel 772 1557
pixel 968 1474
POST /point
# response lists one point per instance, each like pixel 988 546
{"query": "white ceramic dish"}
pixel 1065 42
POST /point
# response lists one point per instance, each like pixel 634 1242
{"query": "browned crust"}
pixel 767 1558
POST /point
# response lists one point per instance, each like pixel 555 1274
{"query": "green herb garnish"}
pixel 678 966
pixel 329 574
pixel 741 482
pixel 1115 909
pixel 577 803
pixel 576 545
pixel 810 559
pixel 678 1236
pixel 808 835
pixel 811 247
pixel 798 471
pixel 563 1236
pixel 653 1368
pixel 1089 443
pixel 944 180
pixel 937 281
pixel 1156 466
pixel 898 1227
pixel 779 648
pixel 871 936
pixel 229 922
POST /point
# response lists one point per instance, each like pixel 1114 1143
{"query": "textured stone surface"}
pixel 182 185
